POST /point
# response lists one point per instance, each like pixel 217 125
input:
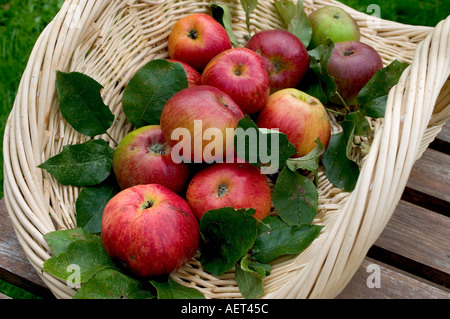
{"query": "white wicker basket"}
pixel 111 40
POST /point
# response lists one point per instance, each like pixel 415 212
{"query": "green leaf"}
pixel 90 256
pixel 227 234
pixel 112 284
pixel 373 96
pixel 308 162
pixel 260 147
pixel 86 253
pixel 362 125
pixel 311 85
pixel 381 83
pixel 81 103
pixel 286 10
pixel 270 223
pixel 288 240
pixel 170 289
pixel 149 90
pixel 339 168
pixel 250 283
pixel 375 108
pixel 85 164
pixel 295 198
pixel 91 202
pixel 319 58
pixel 296 19
pixel 263 270
pixel 59 240
pixel 249 6
pixel 221 13
pixel 58 266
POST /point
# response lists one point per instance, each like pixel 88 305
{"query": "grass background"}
pixel 21 22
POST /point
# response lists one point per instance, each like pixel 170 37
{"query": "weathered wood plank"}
pixel 14 265
pixel 444 134
pixel 431 175
pixel 393 284
pixel 419 234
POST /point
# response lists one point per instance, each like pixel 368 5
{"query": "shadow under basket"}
pixel 111 40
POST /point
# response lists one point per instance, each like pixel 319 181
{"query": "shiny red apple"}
pixel 353 64
pixel 144 157
pixel 300 116
pixel 284 55
pixel 196 39
pixel 194 77
pixel 237 185
pixel 150 229
pixel 240 73
pixel 199 122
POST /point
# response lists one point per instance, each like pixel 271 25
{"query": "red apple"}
pixel 286 64
pixel 194 77
pixel 195 120
pixel 150 229
pixel 353 64
pixel 196 39
pixel 240 73
pixel 237 185
pixel 332 22
pixel 144 157
pixel 298 115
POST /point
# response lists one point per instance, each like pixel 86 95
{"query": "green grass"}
pixel 21 22
pixel 414 12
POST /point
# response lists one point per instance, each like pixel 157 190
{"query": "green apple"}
pixel 331 22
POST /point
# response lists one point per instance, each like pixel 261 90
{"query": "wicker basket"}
pixel 111 40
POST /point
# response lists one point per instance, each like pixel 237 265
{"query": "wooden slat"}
pixel 394 284
pixel 14 265
pixel 444 134
pixel 418 234
pixel 442 141
pixel 431 175
pixel 416 240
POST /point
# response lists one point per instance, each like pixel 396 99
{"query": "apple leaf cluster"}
pixel 340 169
pixel 234 239
pixel 78 257
pixel 259 147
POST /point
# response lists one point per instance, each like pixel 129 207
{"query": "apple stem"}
pixel 193 34
pixel 222 190
pixel 334 111
pixel 157 149
pixel 342 100
pixel 147 204
pixel 111 138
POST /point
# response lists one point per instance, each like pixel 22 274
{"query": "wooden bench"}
pixel 412 255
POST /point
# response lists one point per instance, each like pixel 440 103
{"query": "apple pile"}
pixel 152 224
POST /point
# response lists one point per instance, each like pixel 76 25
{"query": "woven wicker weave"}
pixel 111 40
